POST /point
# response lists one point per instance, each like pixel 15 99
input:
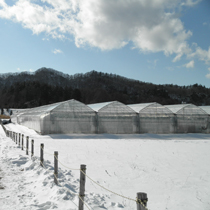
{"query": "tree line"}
pixel 48 86
pixel 33 94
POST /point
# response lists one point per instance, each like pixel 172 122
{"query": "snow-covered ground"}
pixel 172 169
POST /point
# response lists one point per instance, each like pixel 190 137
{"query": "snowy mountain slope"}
pixel 172 169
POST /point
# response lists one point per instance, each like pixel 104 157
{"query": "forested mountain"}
pixel 45 86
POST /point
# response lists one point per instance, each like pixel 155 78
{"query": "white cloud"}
pixel 112 24
pixel 190 64
pixel 152 63
pixel 203 55
pixel 33 16
pixel 30 70
pixel 170 68
pixel 45 39
pixel 190 2
pixel 150 25
pixel 106 24
pixel 208 75
pixel 56 51
pixel 178 57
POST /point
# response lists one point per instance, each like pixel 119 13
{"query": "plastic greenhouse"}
pixel 189 118
pixel 115 117
pixel 65 117
pixel 154 118
pixel 207 110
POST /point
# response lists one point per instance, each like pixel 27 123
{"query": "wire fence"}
pixel 14 137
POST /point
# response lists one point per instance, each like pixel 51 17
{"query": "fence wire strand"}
pixel 62 185
pixel 136 200
pixel 106 188
pixel 65 166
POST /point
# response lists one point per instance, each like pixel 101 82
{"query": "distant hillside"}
pixel 25 90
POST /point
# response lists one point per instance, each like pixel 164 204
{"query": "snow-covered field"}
pixel 172 169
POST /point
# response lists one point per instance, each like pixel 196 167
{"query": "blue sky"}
pixel 157 41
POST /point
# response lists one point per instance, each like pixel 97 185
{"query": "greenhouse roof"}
pixel 186 109
pixel 96 107
pixel 73 106
pixel 206 109
pixel 70 105
pixel 46 107
pixel 150 108
pixel 113 106
pixel 177 107
pixel 138 107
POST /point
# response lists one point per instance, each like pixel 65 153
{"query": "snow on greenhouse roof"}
pixel 138 107
pixel 72 105
pixel 186 109
pixel 96 107
pixel 45 108
pixel 150 108
pixel 206 109
pixel 113 106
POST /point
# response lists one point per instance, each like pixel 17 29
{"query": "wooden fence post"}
pixel 19 139
pixel 141 198
pixel 22 141
pixel 27 145
pixel 41 155
pixel 32 148
pixel 82 186
pixel 56 167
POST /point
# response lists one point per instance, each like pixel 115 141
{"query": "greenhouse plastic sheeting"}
pixel 189 118
pixel 65 117
pixel 115 117
pixel 154 118
pixel 207 110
